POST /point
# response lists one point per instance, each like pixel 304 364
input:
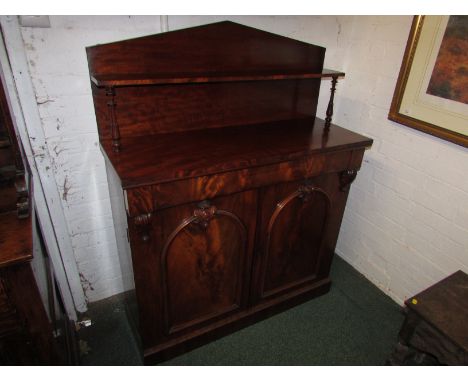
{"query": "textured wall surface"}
pixel 59 71
pixel 406 223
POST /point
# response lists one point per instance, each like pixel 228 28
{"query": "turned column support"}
pixel 329 112
pixel 115 132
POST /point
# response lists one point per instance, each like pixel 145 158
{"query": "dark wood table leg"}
pixel 404 353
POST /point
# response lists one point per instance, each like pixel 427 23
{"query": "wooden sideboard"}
pixel 231 188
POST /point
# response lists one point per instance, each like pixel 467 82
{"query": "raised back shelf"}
pixel 106 80
pixel 207 77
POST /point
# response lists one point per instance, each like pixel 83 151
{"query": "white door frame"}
pixel 18 85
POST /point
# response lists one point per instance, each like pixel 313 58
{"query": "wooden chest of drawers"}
pixel 232 190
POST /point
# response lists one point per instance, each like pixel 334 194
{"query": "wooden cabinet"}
pixel 231 188
pixel 26 333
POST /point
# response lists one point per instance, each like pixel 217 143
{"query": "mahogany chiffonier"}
pixel 231 188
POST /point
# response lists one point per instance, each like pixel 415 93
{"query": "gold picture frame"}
pixel 412 105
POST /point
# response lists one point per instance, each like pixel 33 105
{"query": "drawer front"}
pixel 164 195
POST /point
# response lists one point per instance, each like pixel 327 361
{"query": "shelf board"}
pixel 185 78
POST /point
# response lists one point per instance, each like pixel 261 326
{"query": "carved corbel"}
pixel 346 178
pixel 143 225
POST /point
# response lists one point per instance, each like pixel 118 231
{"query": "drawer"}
pixel 151 198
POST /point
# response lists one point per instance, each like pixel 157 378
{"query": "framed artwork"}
pixel 431 93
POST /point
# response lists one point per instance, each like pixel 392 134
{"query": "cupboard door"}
pixel 202 256
pixel 294 219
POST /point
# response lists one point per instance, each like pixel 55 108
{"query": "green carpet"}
pixel 354 324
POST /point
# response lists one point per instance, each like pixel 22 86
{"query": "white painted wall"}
pixel 58 68
pixel 25 117
pixel 406 223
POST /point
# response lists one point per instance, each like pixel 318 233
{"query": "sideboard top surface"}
pixel 166 157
